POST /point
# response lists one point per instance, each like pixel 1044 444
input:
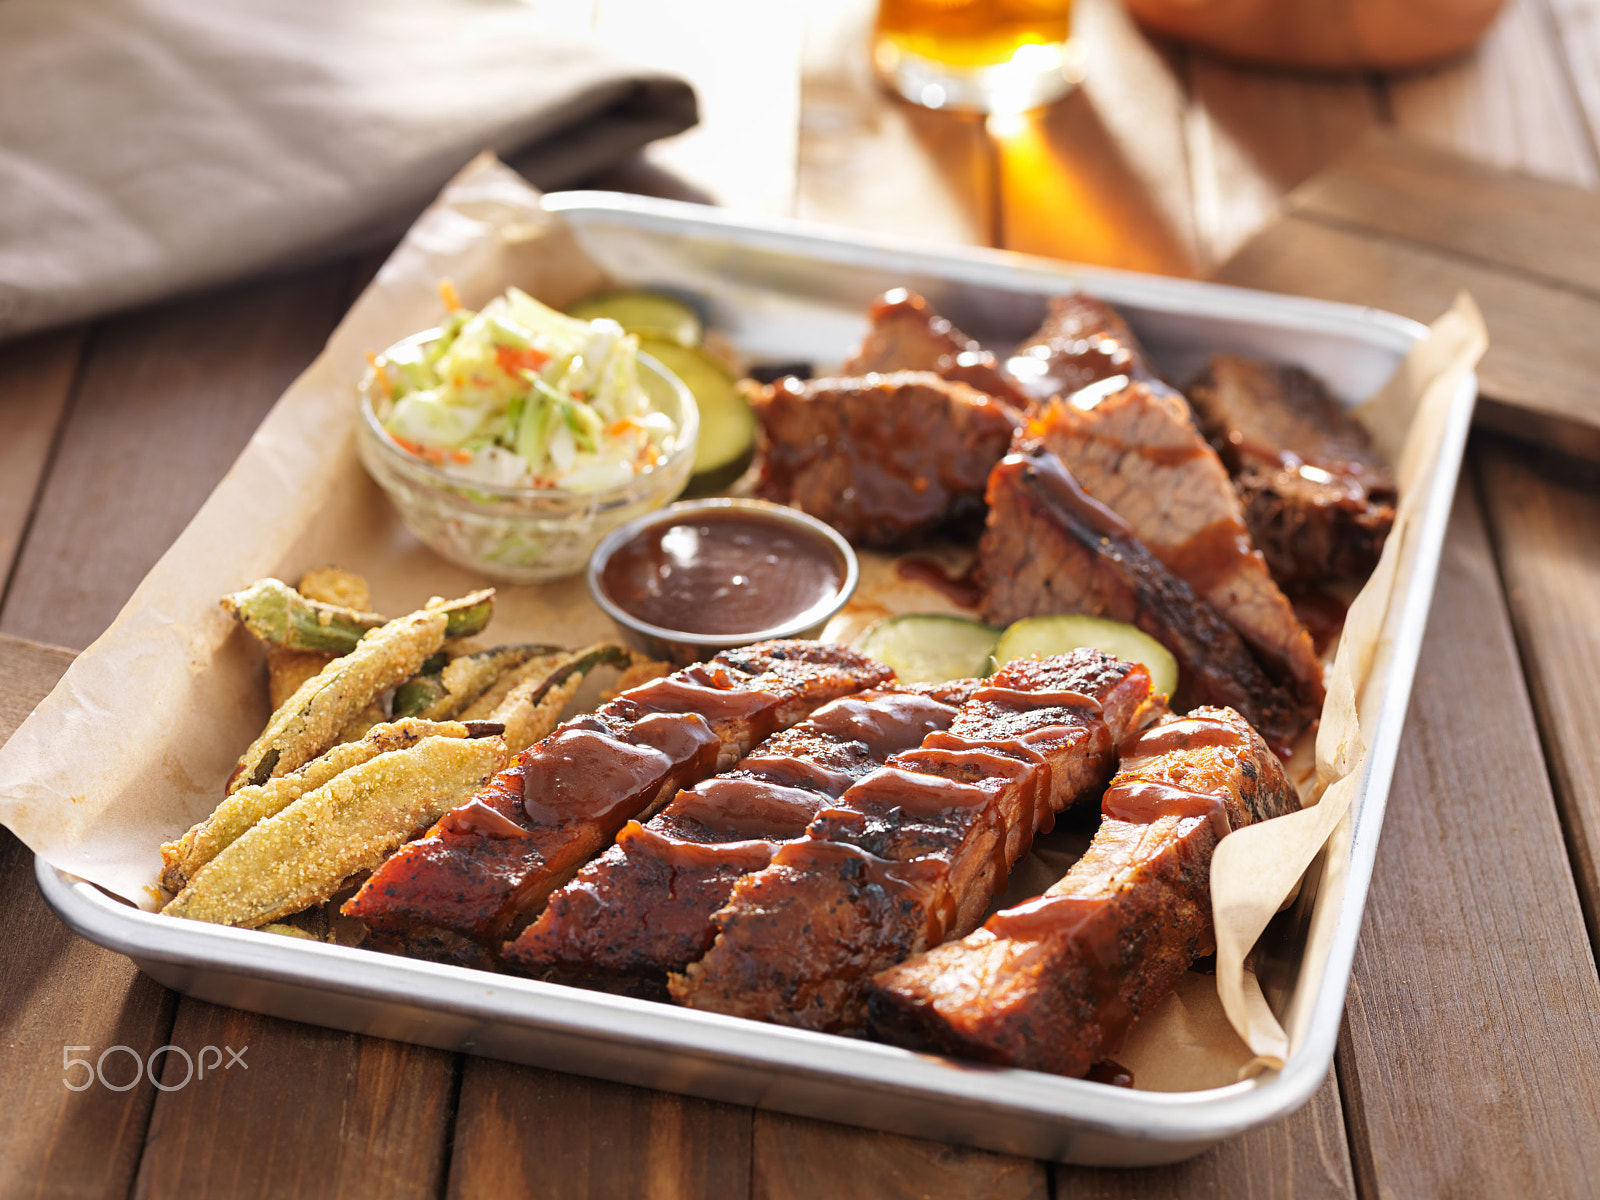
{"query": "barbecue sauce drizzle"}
pixel 1138 801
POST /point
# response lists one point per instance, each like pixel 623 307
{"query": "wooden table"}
pixel 1471 1045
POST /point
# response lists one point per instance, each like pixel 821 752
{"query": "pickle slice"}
pixel 1057 635
pixel 651 315
pixel 930 647
pixel 727 426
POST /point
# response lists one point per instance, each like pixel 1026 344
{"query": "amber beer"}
pixel 980 55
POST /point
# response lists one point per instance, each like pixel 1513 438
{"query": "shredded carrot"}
pixel 513 361
pixel 448 293
pixel 381 374
pixel 427 453
pixel 618 428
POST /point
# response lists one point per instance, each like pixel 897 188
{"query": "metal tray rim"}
pixel 1180 1116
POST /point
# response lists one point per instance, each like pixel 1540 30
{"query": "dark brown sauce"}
pixel 685 738
pixel 1044 917
pixel 884 722
pixel 1186 733
pixel 476 817
pixel 1044 816
pixel 963 589
pixel 744 804
pixel 678 695
pixel 1110 1072
pixel 1144 801
pixel 1210 556
pixel 1004 697
pixel 579 774
pixel 789 771
pixel 913 876
pixel 989 764
pixel 727 572
pixel 1059 491
pixel 699 856
pixel 916 794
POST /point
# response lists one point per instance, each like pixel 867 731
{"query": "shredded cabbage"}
pixel 518 394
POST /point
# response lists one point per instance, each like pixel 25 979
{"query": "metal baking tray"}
pixel 786 291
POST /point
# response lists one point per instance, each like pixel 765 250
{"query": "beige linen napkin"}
pixel 151 146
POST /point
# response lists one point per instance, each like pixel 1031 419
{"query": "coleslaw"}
pixel 518 394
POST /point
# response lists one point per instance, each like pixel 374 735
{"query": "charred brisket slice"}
pixel 1049 548
pixel 644 907
pixel 912 853
pixel 1083 341
pixel 489 865
pixel 1136 450
pixel 881 458
pixel 1318 499
pixel 1053 984
pixel 907 335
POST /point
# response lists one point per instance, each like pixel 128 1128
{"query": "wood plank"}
pixel 1303 1157
pixel 744 63
pixel 1545 517
pixel 168 398
pixel 1474 1014
pixel 584 1138
pixel 36 378
pixel 1577 32
pixel 1254 135
pixel 798 1159
pixel 1508 104
pixel 1102 176
pixel 310 1112
pixel 1394 185
pixel 57 990
pixel 1537 378
pixel 872 162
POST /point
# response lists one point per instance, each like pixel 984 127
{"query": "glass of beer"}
pixel 987 56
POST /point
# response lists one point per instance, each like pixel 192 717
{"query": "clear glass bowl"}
pixel 520 534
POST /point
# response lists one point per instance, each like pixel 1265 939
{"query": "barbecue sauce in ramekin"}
pixel 723 572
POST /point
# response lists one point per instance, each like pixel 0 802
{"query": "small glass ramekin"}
pixel 524 534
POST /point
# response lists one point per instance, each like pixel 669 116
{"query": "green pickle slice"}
pixel 649 314
pixel 727 426
pixel 1059 634
pixel 930 647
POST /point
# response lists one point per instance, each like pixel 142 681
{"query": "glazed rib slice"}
pixel 907 335
pixel 913 852
pixel 1053 984
pixel 1136 450
pixel 1318 500
pixel 882 458
pixel 1083 341
pixel 644 907
pixel 1049 548
pixel 489 865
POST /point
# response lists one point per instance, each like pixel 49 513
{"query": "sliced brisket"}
pixel 881 458
pixel 907 335
pixel 1053 984
pixel 1049 548
pixel 489 865
pixel 1083 341
pixel 1136 450
pixel 644 907
pixel 912 853
pixel 1318 499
